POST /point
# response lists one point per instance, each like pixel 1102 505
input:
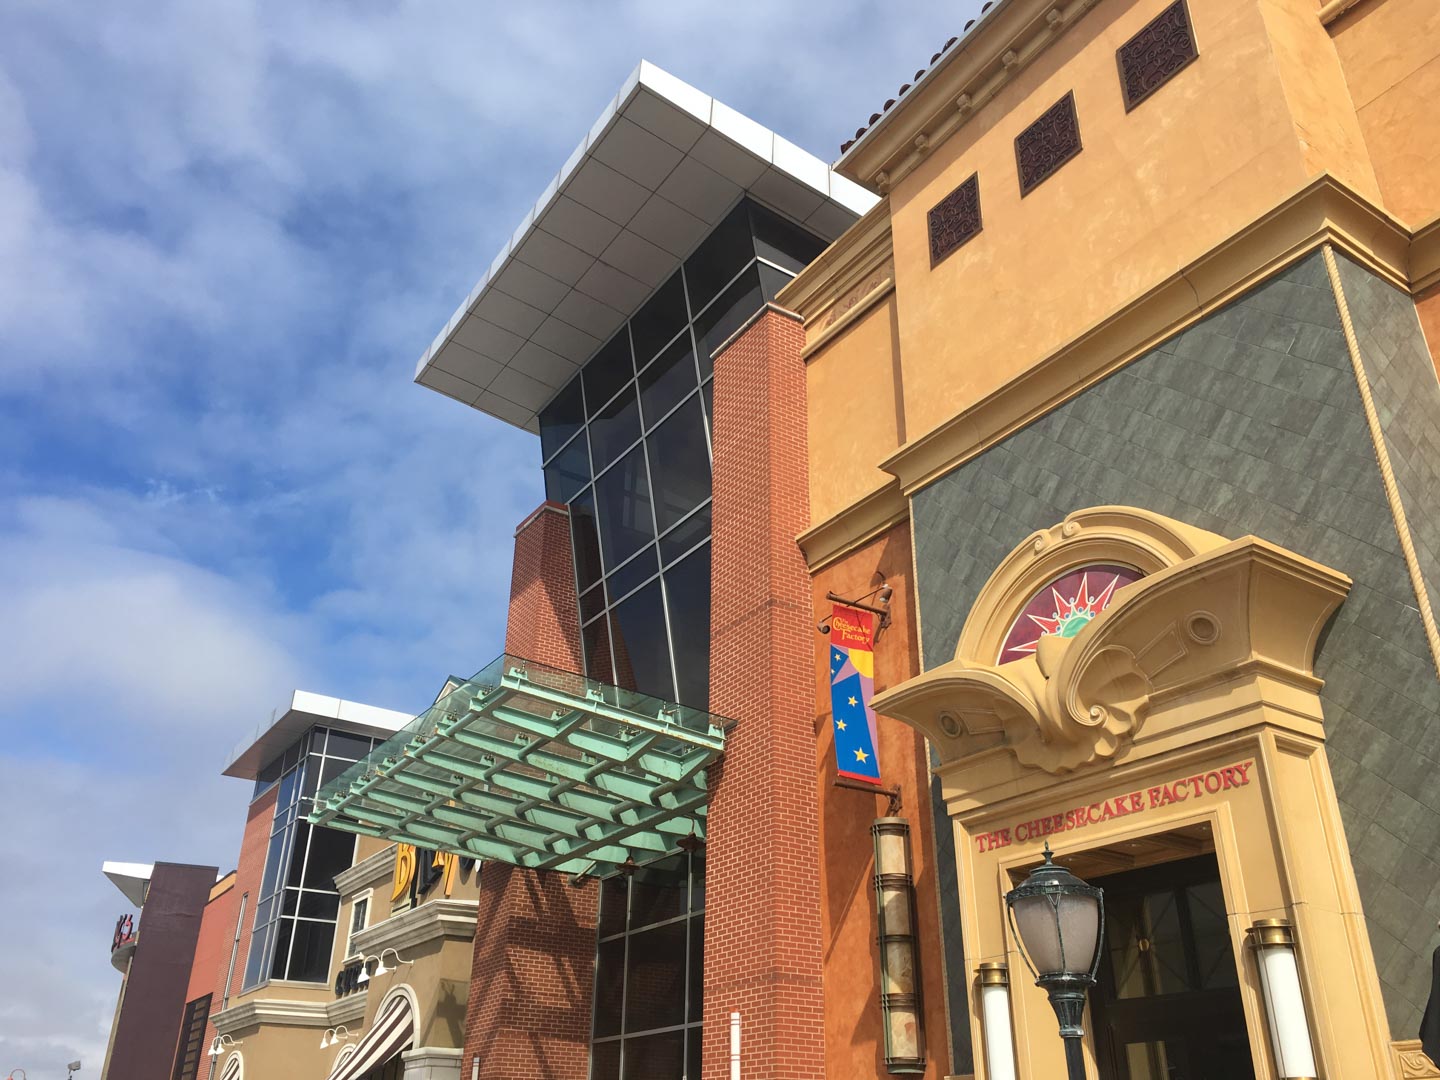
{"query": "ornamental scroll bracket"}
pixel 1204 611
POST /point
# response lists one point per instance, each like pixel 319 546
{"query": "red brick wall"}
pixel 544 623
pixel 533 975
pixel 212 959
pixel 249 869
pixel 762 924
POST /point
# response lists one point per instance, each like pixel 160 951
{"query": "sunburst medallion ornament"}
pixel 1065 606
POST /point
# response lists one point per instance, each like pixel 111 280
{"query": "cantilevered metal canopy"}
pixel 538 768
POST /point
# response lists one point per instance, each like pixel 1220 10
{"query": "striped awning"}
pixel 393 1031
pixel 234 1067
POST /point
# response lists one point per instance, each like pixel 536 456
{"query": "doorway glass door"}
pixel 1168 1005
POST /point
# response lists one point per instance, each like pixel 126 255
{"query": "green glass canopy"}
pixel 538 768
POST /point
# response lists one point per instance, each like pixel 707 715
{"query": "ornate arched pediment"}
pixel 1197 611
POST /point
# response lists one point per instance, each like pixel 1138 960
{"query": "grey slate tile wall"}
pixel 1248 422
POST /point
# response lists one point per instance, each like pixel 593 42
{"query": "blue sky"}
pixel 227 231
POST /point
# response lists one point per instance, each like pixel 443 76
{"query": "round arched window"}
pixel 1063 606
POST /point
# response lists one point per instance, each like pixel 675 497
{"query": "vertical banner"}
pixel 852 684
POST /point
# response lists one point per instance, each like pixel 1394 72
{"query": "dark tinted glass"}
pixel 561 418
pixel 331 852
pixel 655 1057
pixel 331 769
pixel 687 587
pixel 596 640
pixel 658 891
pixel 622 499
pixel 723 254
pixel 725 316
pixel 642 653
pixel 664 384
pixel 697 883
pixel 614 429
pixel 605 1061
pixel 310 957
pixel 568 471
pixel 697 968
pixel 633 574
pixel 255 963
pixel 781 242
pixel 290 901
pixel 680 458
pixel 659 320
pixel 297 858
pixel 592 603
pixel 708 393
pixel 281 938
pixel 655 987
pixel 772 280
pixel 587 540
pixel 609 987
pixel 608 370
pixel 319 905
pixel 679 540
pixel 692 1052
pixel 347 746
pixel 613 897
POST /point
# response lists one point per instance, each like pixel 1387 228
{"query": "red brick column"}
pixel 762 922
pixel 533 976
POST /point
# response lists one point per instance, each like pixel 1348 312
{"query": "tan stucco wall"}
pixel 1390 51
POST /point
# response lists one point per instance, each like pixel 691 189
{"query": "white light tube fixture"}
pixel 1274 943
pixel 994 979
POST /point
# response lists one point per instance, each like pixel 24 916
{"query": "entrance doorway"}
pixel 1168 1005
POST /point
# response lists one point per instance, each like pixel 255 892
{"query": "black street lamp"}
pixel 1058 921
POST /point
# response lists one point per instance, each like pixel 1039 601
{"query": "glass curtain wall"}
pixel 648 972
pixel 627 445
pixel 295 918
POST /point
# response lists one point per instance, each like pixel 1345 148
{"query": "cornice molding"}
pixel 865 247
pixel 348 1009
pixel 957 88
pixel 1323 211
pixel 857 524
pixel 1425 257
pixel 254 1013
pixel 366 873
pixel 434 919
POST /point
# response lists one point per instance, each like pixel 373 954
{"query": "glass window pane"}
pixel 310 956
pixel 697 881
pixel 723 254
pixel 608 370
pixel 290 901
pixel 281 947
pixel 642 652
pixel 664 384
pixel 655 982
pixel 687 590
pixel 272 864
pixel 301 832
pixel 655 1057
pixel 725 316
pixel 592 603
pixel 255 963
pixel 586 538
pixel 680 459
pixel 605 1061
pixel 561 419
pixel 658 320
pixel 697 969
pixel 331 852
pixel 773 280
pixel 633 574
pixel 622 496
pixel 614 895
pixel 658 891
pixel 596 641
pixel 692 1052
pixel 781 242
pixel 350 747
pixel 319 905
pixel 609 987
pixel 615 429
pixel 568 471
pixel 679 540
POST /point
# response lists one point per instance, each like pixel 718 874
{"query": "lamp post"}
pixel 1058 921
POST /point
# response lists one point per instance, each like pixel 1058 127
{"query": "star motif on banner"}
pixel 840 724
pixel 860 755
pixel 852 701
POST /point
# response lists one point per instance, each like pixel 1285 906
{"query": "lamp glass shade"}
pixel 1058 918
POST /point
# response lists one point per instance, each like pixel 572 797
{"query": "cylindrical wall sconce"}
pixel 994 980
pixel 1274 943
pixel 899 973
